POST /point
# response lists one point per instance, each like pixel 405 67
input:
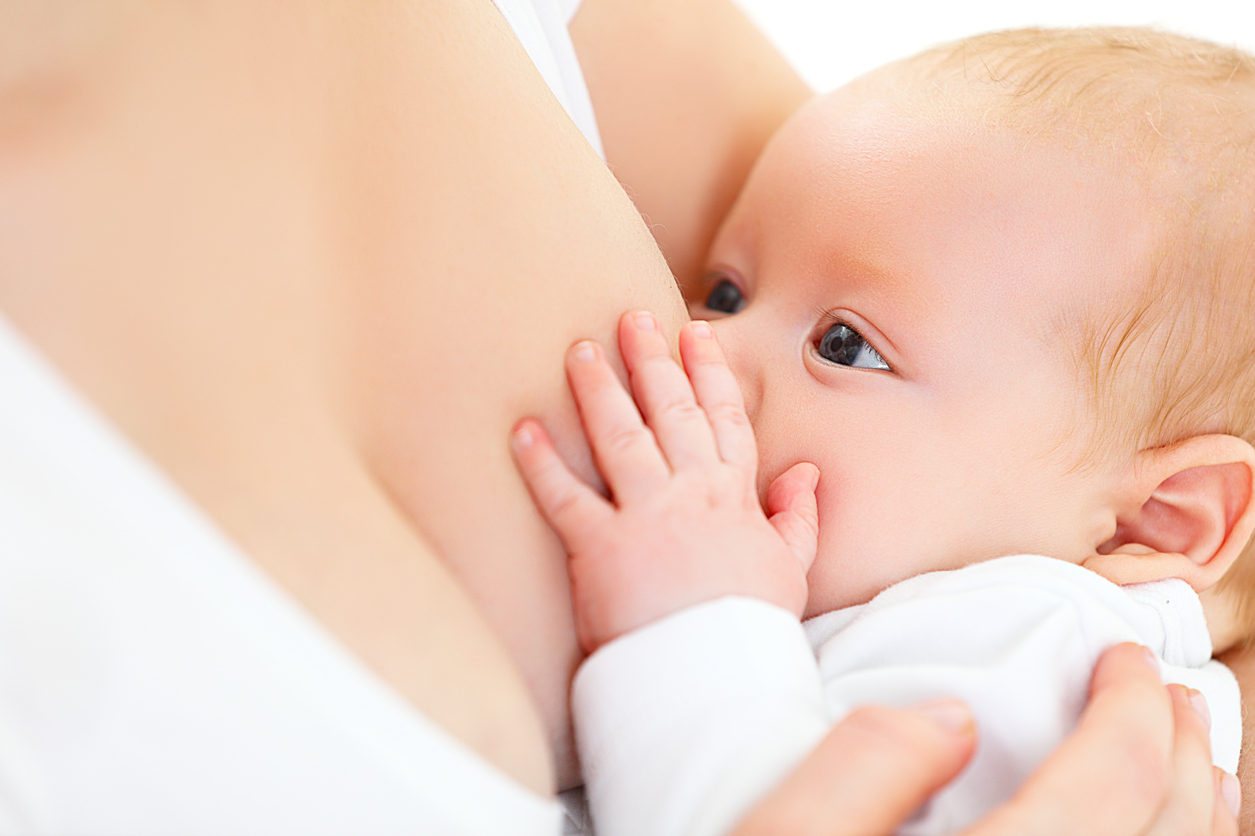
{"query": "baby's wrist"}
pixel 601 619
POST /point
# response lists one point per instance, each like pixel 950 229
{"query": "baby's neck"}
pixel 1225 620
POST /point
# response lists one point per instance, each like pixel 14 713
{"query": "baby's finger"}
pixel 719 395
pixel 570 506
pixel 627 454
pixel 793 513
pixel 664 394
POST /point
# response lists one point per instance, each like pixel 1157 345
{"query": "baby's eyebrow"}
pixel 881 293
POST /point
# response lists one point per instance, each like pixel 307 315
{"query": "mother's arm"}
pixel 687 93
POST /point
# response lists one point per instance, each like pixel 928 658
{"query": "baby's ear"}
pixel 1189 509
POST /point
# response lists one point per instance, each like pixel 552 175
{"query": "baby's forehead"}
pixel 1171 145
pixel 899 118
pixel 1163 101
pixel 917 91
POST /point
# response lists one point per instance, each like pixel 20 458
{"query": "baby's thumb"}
pixel 792 510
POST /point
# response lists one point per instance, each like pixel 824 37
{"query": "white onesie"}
pixel 684 724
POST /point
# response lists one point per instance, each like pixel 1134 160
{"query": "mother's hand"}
pixel 1139 764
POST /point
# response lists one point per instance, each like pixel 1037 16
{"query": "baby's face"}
pixel 899 303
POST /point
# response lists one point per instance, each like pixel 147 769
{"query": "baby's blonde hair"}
pixel 1183 112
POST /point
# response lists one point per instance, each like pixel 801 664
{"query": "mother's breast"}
pixel 315 266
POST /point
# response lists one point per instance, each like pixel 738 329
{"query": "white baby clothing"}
pixel 684 724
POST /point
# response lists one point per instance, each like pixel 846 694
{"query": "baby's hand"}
pixel 684 524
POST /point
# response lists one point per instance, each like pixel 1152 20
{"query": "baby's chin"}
pixel 826 596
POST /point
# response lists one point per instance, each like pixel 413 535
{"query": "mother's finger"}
pixel 1191 803
pixel 872 771
pixel 1113 776
pixel 1228 804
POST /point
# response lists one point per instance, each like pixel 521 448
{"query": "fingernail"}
pixel 951 715
pixel 1231 792
pixel 702 329
pixel 1151 658
pixel 645 321
pixel 523 436
pixel 584 352
pixel 1200 705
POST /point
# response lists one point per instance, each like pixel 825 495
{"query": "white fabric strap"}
pixel 154 681
pixel 541 27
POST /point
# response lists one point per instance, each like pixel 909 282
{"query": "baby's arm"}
pixel 683 523
pixel 708 695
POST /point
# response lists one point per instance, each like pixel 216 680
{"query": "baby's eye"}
pixel 844 346
pixel 725 297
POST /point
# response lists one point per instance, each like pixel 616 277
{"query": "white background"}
pixel 831 41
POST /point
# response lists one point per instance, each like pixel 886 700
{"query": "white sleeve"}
pixel 685 724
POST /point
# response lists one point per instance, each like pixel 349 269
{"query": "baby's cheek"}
pixel 863 549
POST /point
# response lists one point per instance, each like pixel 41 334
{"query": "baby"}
pixel 1000 295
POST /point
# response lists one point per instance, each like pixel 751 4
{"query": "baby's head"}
pixel 1002 294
